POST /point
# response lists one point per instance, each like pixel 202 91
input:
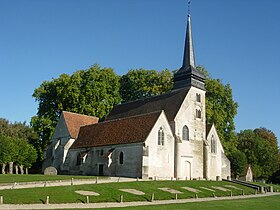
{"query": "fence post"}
pixel 153 197
pixel 1 200
pixel 48 200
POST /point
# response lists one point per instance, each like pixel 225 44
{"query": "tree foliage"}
pixel 259 152
pixel 238 163
pixel 17 151
pixel 221 110
pixel 140 83
pixel 92 92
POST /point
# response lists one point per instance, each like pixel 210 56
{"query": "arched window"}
pixel 79 159
pixel 198 113
pixel 198 97
pixel 213 145
pixel 185 133
pixel 160 136
pixel 121 158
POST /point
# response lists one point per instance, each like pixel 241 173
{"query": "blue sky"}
pixel 237 41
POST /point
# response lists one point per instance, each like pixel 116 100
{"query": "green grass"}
pixel 11 178
pixel 275 186
pixel 271 203
pixel 110 192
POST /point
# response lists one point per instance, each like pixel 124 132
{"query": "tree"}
pixel 92 92
pixel 140 83
pixel 221 110
pixel 238 163
pixel 259 152
pixel 5 156
pixel 18 131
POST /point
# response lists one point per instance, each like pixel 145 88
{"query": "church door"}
pixel 186 169
pixel 100 170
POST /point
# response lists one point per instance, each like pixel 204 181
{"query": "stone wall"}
pixel 189 154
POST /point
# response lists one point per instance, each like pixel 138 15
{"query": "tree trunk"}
pixel 3 168
pixel 11 166
pixel 26 170
pixel 21 169
pixel 16 169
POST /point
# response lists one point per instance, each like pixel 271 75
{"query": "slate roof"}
pixel 170 103
pixel 208 128
pixel 121 131
pixel 74 121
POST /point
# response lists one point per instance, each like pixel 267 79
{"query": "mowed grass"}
pixel 11 178
pixel 110 192
pixel 271 203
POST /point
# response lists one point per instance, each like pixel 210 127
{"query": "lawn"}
pixel 11 178
pixel 110 192
pixel 271 203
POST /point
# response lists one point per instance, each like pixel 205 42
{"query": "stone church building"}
pixel 164 136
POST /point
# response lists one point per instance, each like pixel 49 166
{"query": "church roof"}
pixel 121 131
pixel 74 121
pixel 208 128
pixel 170 103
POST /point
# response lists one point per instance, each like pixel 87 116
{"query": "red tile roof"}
pixel 74 121
pixel 121 131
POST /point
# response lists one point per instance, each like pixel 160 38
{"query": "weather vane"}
pixel 189 7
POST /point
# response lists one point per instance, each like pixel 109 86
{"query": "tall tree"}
pixel 140 83
pixel 259 152
pixel 92 92
pixel 238 163
pixel 221 110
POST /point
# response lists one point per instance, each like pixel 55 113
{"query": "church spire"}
pixel 188 75
pixel 188 59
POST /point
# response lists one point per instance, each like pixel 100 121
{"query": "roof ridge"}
pixel 160 95
pixel 74 113
pixel 124 118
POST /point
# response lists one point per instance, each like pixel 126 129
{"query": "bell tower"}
pixel 188 75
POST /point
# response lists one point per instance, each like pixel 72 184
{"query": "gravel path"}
pixel 125 204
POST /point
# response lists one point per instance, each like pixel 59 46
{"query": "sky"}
pixel 237 41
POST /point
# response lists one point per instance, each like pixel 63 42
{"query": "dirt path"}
pixel 125 204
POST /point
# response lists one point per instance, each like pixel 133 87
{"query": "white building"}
pixel 163 136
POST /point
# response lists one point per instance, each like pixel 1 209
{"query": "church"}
pixel 162 137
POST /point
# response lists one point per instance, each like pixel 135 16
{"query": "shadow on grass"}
pixel 80 200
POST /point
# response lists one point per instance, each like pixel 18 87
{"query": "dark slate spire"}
pixel 188 75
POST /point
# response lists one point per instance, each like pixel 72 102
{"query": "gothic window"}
pixel 101 152
pixel 185 133
pixel 198 113
pixel 160 136
pixel 213 145
pixel 121 158
pixel 198 97
pixel 79 159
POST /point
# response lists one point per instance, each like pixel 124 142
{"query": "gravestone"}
pixel 50 171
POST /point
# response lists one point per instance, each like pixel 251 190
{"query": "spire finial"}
pixel 189 8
